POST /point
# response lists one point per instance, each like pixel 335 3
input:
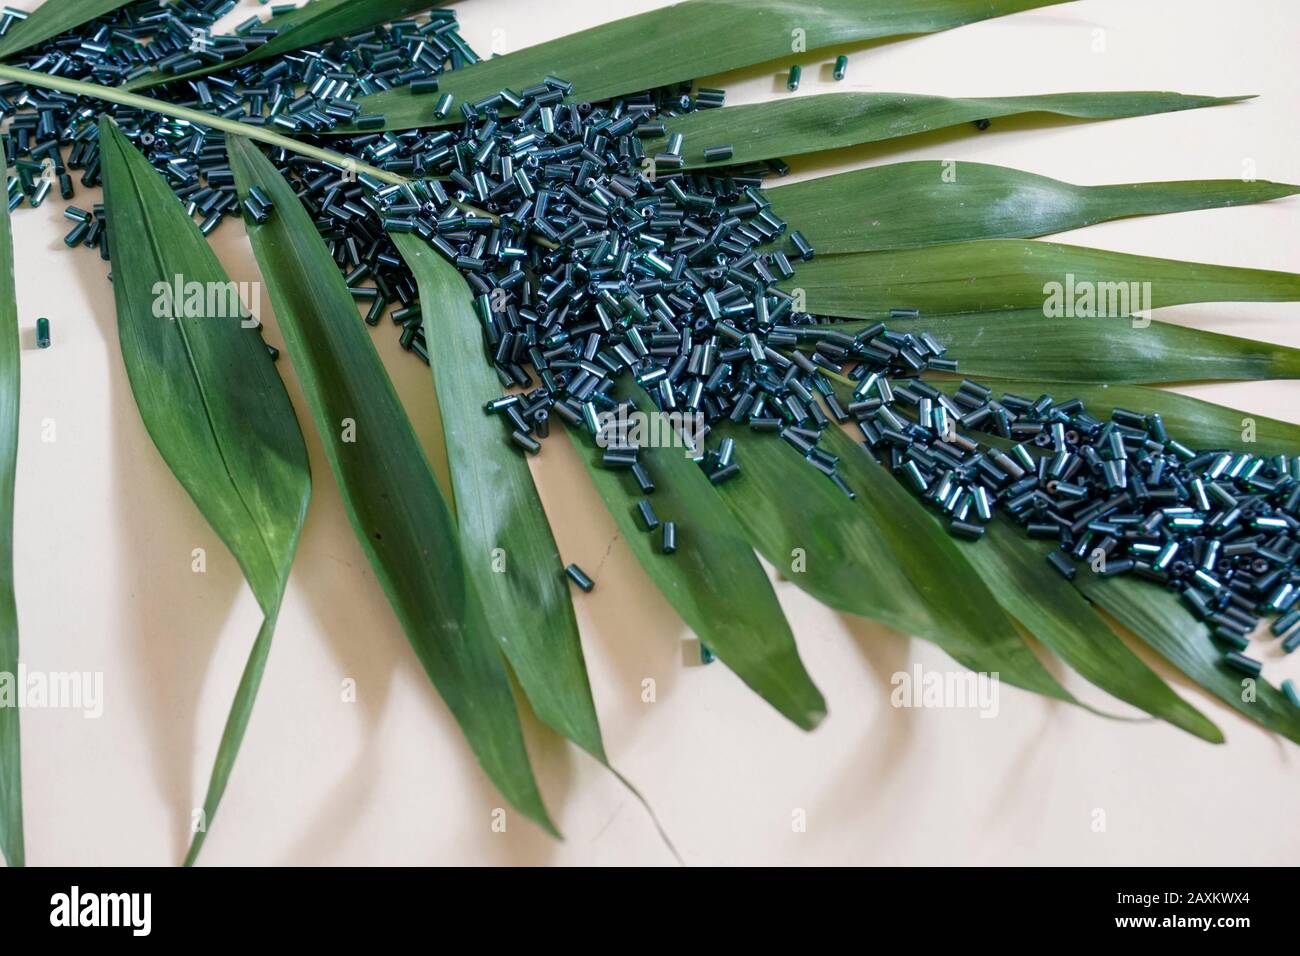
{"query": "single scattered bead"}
pixel 647 512
pixel 841 66
pixel 1289 689
pixel 526 442
pixel 42 333
pixel 1244 664
pixel 579 577
pixel 669 537
pixel 713 154
pixel 792 82
pixel 706 655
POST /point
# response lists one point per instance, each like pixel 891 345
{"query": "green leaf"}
pixel 111 94
pixel 396 507
pixel 316 22
pixel 1027 344
pixel 1196 423
pixel 807 124
pixel 714 581
pixel 905 205
pixel 1158 618
pixel 11 781
pixel 1027 587
pixel 497 507
pixel 879 555
pixel 210 398
pixel 999 274
pixel 52 18
pixel 686 41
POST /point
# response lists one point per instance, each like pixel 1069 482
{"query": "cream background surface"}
pixel 104 536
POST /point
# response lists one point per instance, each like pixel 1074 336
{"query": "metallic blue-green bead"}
pixel 1064 566
pixel 77 233
pixel 1286 622
pixel 579 577
pixel 669 542
pixel 706 655
pixel 841 66
pixel 725 474
pixel 262 198
pixel 1230 637
pixel 1240 662
pixel 444 106
pixel 1291 642
pixel 964 529
pixel 618 458
pixel 726 449
pixel 643 479
pixel 253 210
pixel 1166 555
pixel 792 82
pixel 1289 688
pixel 42 333
pixel 713 154
pixel 647 512
pixel 526 442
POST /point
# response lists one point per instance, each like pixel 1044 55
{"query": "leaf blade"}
pixel 793 126
pixel 52 18
pixel 393 501
pixel 1194 422
pixel 1050 609
pixel 1027 344
pixel 714 581
pixel 211 401
pixel 1155 616
pixel 1013 274
pixel 879 557
pixel 316 22
pixel 906 205
pixel 646 50
pixel 11 783
pixel 497 506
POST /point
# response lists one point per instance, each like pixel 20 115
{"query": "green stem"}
pixel 260 133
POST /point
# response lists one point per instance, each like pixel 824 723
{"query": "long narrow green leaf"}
pixel 807 124
pixel 316 22
pixel 394 502
pixel 999 274
pixel 714 581
pixel 110 94
pixel 510 552
pixel 1196 423
pixel 11 779
pixel 687 41
pixel 905 205
pixel 52 18
pixel 1027 587
pixel 210 398
pixel 1158 618
pixel 1027 344
pixel 879 556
